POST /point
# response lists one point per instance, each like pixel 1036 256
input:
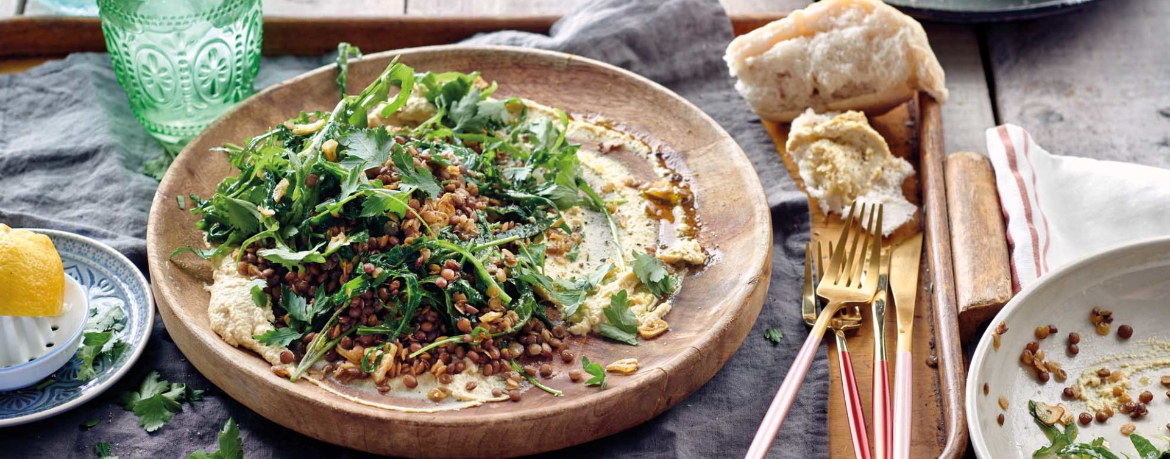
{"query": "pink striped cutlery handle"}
pixel 778 410
pixel 853 408
pixel 883 435
pixel 902 408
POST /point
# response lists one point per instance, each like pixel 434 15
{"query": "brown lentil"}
pixel 1042 332
pixel 999 419
pixel 1003 402
pixel 1124 331
pixel 1146 397
pixel 1128 428
pixel 1085 418
pixel 514 395
pixel 1074 338
pixel 1102 417
pixel 575 375
pixel 410 381
pixel 286 356
pixel 985 388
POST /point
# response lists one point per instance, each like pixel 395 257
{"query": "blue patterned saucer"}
pixel 111 281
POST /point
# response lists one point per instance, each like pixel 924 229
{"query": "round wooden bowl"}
pixel 710 319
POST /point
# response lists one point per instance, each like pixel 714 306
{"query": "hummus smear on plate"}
pixel 425 246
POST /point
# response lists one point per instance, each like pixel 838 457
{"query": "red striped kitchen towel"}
pixel 1061 208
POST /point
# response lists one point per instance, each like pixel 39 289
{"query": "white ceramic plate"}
pixel 1134 282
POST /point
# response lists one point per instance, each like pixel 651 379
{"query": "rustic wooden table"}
pixel 1096 79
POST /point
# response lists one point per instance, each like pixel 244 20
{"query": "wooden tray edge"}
pixel 952 372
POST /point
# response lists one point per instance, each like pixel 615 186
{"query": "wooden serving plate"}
pixel 710 319
pixel 913 132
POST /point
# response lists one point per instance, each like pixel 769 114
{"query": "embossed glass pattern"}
pixel 182 63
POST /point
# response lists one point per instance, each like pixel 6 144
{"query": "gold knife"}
pixel 904 286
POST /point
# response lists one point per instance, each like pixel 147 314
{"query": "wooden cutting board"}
pixel 939 429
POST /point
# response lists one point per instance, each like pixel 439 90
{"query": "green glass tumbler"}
pixel 182 63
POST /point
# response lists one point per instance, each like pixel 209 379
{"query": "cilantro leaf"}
pixel 366 148
pixel 230 446
pixel 243 215
pixel 91 346
pixel 419 178
pixel 380 202
pixel 296 305
pixel 594 369
pixel 110 319
pixel 156 401
pixel 155 412
pixel 256 288
pixel 99 343
pixel 279 337
pixel 345 51
pixel 622 326
pixel 103 450
pixel 1145 449
pixel 774 335
pixel 653 275
pixel 289 259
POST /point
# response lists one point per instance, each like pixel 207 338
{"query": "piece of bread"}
pixel 835 55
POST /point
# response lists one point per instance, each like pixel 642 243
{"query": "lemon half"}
pixel 32 279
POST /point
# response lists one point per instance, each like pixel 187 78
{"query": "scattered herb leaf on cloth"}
pixel 156 401
pixel 103 450
pixel 774 335
pixel 230 446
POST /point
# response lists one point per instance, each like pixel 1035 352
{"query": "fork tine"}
pixel 808 280
pixel 821 260
pixel 875 258
pixel 839 254
pixel 853 249
pixel 867 241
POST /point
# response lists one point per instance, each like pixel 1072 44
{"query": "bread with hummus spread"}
pixel 835 55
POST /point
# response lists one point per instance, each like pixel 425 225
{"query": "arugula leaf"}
pixel 345 52
pixel 653 275
pixel 289 259
pixel 230 446
pixel 103 450
pixel 201 253
pixel 420 178
pixel 155 402
pixel 593 369
pixel 622 326
pixel 774 335
pixel 366 148
pixel 91 423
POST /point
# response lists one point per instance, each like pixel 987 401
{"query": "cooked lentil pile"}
pixel 388 251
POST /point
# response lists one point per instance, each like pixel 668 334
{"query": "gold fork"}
pixel 841 284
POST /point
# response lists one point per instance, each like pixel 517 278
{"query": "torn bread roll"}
pixel 832 56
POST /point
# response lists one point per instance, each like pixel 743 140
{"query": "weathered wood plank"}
pixel 968 112
pixel 290 8
pixel 334 9
pixel 480 8
pixel 749 7
pixel 1091 83
pixel 9 8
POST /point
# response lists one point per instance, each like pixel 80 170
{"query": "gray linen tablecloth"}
pixel 71 155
